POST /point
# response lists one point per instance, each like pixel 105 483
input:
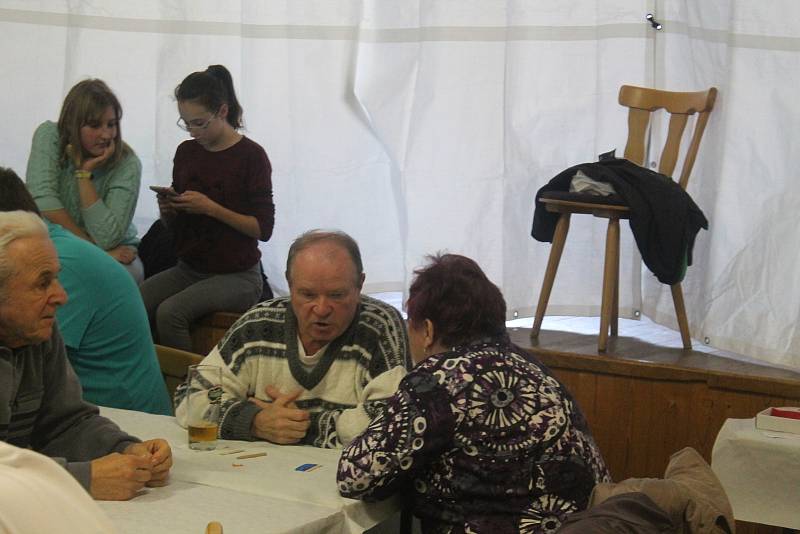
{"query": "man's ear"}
pixel 288 280
pixel 361 279
pixel 223 111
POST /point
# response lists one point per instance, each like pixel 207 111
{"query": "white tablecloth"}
pixel 760 471
pixel 186 507
pixel 270 480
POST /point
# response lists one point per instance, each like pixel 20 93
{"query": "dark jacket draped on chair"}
pixel 663 217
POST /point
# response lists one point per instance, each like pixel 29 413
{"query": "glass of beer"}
pixel 203 400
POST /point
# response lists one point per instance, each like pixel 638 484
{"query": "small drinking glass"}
pixel 203 400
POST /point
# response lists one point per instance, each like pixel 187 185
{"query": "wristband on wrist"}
pixel 82 175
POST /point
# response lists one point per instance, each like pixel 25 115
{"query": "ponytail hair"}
pixel 211 88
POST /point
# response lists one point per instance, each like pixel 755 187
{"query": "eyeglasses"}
pixel 190 126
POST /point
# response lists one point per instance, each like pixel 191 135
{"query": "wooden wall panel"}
pixel 639 422
pixel 612 404
pixel 743 527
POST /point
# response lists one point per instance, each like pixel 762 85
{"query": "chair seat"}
pixel 611 206
pixel 584 198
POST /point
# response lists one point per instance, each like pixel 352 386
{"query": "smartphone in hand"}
pixel 163 191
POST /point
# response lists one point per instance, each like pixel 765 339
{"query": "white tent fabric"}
pixel 424 126
pixel 743 291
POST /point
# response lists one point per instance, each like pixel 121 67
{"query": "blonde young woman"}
pixel 84 177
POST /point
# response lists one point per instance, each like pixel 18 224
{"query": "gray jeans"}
pixel 177 297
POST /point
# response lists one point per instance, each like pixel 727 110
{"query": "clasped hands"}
pixel 118 477
pixel 280 421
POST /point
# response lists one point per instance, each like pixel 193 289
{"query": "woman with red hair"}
pixel 480 436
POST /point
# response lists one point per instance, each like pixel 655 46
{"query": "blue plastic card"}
pixel 306 467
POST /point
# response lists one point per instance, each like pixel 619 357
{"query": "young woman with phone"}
pixel 219 207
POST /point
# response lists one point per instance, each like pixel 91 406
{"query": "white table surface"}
pixel 270 480
pixel 186 507
pixel 760 471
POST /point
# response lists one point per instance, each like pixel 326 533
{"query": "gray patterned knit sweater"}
pixel 358 371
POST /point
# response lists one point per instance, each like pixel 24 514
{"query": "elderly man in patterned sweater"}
pixel 315 367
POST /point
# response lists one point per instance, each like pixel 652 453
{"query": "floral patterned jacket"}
pixel 483 439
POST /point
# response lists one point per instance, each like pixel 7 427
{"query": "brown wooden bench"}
pixel 209 330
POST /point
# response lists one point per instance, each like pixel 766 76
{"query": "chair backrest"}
pixel 642 102
pixel 175 366
pixel 214 527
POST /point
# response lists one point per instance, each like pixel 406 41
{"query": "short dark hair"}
pixel 316 235
pixel 456 296
pixel 211 88
pixel 13 193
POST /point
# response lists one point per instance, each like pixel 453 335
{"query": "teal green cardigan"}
pixel 53 186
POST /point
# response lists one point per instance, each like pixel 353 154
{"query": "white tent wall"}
pixel 293 67
pixel 742 293
pixel 420 126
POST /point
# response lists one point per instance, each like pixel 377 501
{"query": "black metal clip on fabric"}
pixel 653 22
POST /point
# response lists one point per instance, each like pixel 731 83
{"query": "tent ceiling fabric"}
pixel 425 126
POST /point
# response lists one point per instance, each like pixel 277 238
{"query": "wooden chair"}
pixel 175 366
pixel 642 102
pixel 214 528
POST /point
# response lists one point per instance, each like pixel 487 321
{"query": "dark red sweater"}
pixel 239 178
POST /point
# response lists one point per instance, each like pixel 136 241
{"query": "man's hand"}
pixel 160 455
pixel 280 421
pixel 117 477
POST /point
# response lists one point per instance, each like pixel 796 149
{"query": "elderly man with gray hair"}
pixel 316 366
pixel 40 397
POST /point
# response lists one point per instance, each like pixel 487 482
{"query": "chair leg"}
pixel 615 304
pixel 680 314
pixel 559 238
pixel 612 260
